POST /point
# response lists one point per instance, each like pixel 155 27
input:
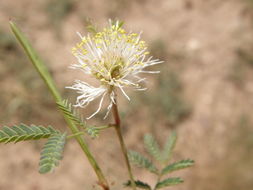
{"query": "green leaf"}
pixel 93 131
pixel 169 146
pixel 140 161
pixel 169 182
pixel 152 146
pixel 138 184
pixel 71 113
pixel 24 132
pixel 177 166
pixel 51 153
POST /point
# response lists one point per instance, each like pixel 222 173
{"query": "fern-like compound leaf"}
pixel 141 161
pixel 152 146
pixel 24 132
pixel 138 184
pixel 169 147
pixel 168 182
pixel 51 153
pixel 177 166
pixel 93 131
pixel 71 113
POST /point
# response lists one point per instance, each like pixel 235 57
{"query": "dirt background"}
pixel 204 91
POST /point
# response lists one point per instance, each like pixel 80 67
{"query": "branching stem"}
pixel 46 76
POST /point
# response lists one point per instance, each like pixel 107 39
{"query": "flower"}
pixel 115 58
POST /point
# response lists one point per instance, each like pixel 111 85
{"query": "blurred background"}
pixel 204 91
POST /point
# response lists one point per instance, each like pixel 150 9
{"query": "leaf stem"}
pixel 74 135
pixel 117 127
pixel 45 75
pixel 83 133
pixel 105 127
pixel 158 179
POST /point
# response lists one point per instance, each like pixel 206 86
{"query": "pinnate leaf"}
pixel 138 184
pixel 141 161
pixel 51 153
pixel 92 131
pixel 70 112
pixel 169 147
pixel 177 166
pixel 24 132
pixel 152 146
pixel 169 182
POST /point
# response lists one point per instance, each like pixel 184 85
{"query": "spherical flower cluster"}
pixel 115 58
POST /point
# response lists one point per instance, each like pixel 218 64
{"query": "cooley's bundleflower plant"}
pixel 115 58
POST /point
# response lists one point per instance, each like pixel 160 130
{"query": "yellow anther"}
pixel 122 31
pixel 84 51
pixel 84 41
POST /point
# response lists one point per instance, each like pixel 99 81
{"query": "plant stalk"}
pixel 158 179
pixel 47 78
pixel 117 127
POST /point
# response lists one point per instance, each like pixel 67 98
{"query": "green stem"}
pixel 117 127
pixel 83 133
pixel 74 135
pixel 45 75
pixel 104 127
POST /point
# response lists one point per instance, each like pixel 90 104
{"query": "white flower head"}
pixel 115 58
